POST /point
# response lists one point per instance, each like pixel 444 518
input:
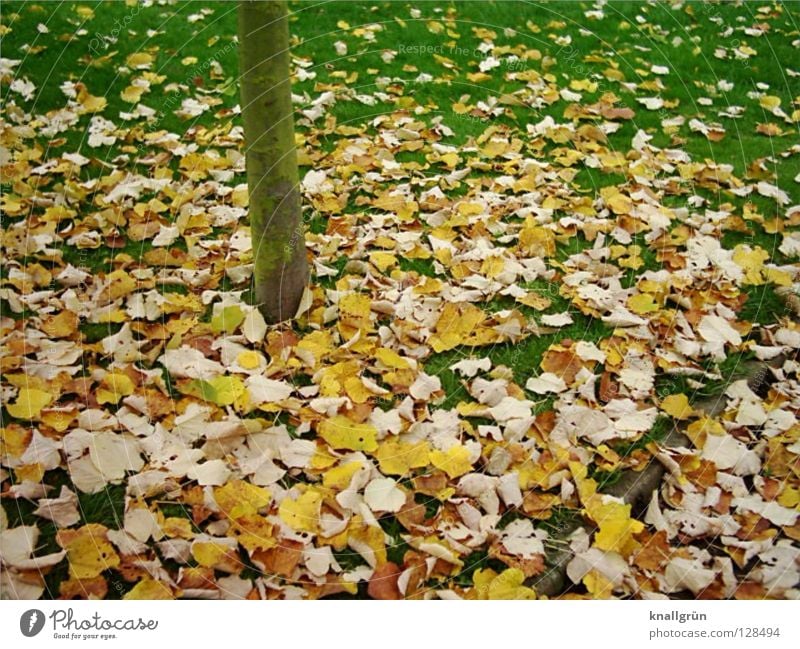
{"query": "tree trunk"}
pixel 281 269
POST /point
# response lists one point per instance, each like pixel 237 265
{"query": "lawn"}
pixel 541 235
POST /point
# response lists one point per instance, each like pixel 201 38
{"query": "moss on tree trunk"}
pixel 281 269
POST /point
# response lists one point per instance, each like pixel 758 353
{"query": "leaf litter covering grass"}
pixel 538 234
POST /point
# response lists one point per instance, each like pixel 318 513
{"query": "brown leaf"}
pixel 792 532
pixel 383 583
pixel 281 560
pixel 95 588
pixel 411 514
pixel 562 363
pixel 529 566
pixel 750 590
pixel 753 527
pixel 610 112
pixel 538 504
pixel 655 551
pixel 60 325
pixel 609 388
pixel 431 484
pixel 197 577
pixel 704 476
pixel 545 422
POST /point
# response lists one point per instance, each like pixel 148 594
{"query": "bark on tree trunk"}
pixel 281 269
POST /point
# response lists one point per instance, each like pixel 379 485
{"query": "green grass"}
pixel 396 547
pixel 694 68
pixel 763 306
pixel 95 331
pixel 562 519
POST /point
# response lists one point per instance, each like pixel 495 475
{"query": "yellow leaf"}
pixel 677 406
pixel 599 586
pixel 383 260
pixel 253 532
pixel 709 425
pixel 454 462
pixel 29 403
pixel 495 147
pixel 699 430
pixel 58 213
pixel 11 204
pixel 177 527
pixel 323 458
pixel 398 458
pixel 356 390
pixel 61 325
pixel 612 517
pixel 535 301
pixel 329 386
pixel 354 315
pixel 367 540
pixel 790 497
pixel 583 84
pixel 317 343
pixel 506 585
pixel 642 303
pixel 139 60
pixel 132 94
pixel 90 103
pixel 537 241
pixel 751 261
pixel 428 286
pixel 212 555
pixel 445 340
pixel 342 433
pixel 248 359
pixel 391 359
pixel 222 390
pixel 481 579
pixel 435 27
pixel 355 304
pixel 619 203
pixel 149 588
pixel 477 77
pixel 29 472
pixel 119 283
pixel 456 323
pixel 302 514
pixel 777 276
pixel 237 498
pixel 240 197
pixel 450 159
pixel 493 266
pixel 339 477
pixel 14 440
pixel 616 525
pixel 117 385
pixel 586 487
pixel 227 319
pixel 88 551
